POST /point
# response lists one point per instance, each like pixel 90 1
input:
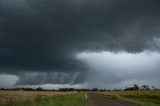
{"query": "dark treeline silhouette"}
pixel 143 87
pixel 134 87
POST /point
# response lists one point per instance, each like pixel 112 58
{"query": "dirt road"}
pixel 100 100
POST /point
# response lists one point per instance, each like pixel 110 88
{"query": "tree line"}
pixel 134 87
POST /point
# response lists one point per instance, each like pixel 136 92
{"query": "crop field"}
pixel 37 98
pixel 54 98
pixel 142 98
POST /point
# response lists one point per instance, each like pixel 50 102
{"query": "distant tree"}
pixel 145 87
pixel 53 90
pixel 2 89
pixel 153 87
pixel 39 89
pixel 95 89
pixel 136 87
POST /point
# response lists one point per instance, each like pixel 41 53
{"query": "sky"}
pixel 79 43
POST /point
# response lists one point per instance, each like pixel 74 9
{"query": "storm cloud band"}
pixel 44 36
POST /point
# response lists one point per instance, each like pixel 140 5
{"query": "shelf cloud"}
pixel 42 39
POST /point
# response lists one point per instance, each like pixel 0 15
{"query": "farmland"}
pixel 141 97
pixel 90 98
pixel 36 98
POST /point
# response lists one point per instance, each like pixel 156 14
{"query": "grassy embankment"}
pixel 76 99
pixel 142 98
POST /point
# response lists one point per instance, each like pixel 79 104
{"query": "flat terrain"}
pixel 100 100
pixel 39 98
pixel 52 98
pixel 140 97
pixel 7 97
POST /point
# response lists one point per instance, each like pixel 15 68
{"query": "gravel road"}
pixel 100 100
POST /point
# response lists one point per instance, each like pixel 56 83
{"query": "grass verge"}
pixel 77 99
pixel 142 98
pixel 142 101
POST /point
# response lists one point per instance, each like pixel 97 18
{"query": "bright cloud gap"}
pixel 119 69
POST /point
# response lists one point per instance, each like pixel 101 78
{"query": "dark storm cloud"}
pixel 40 35
pixel 35 78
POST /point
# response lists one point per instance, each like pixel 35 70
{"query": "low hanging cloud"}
pixel 43 36
pixel 8 81
pixel 110 68
pixel 40 78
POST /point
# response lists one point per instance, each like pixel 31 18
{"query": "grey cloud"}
pixel 108 68
pixel 40 78
pixel 7 81
pixel 44 35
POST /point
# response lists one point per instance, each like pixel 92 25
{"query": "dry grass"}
pixel 20 96
pixel 147 94
pixel 143 98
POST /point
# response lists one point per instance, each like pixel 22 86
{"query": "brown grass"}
pixel 143 98
pixel 18 96
pixel 151 94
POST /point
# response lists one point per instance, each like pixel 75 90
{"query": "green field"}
pixel 33 98
pixel 77 99
pixel 142 98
